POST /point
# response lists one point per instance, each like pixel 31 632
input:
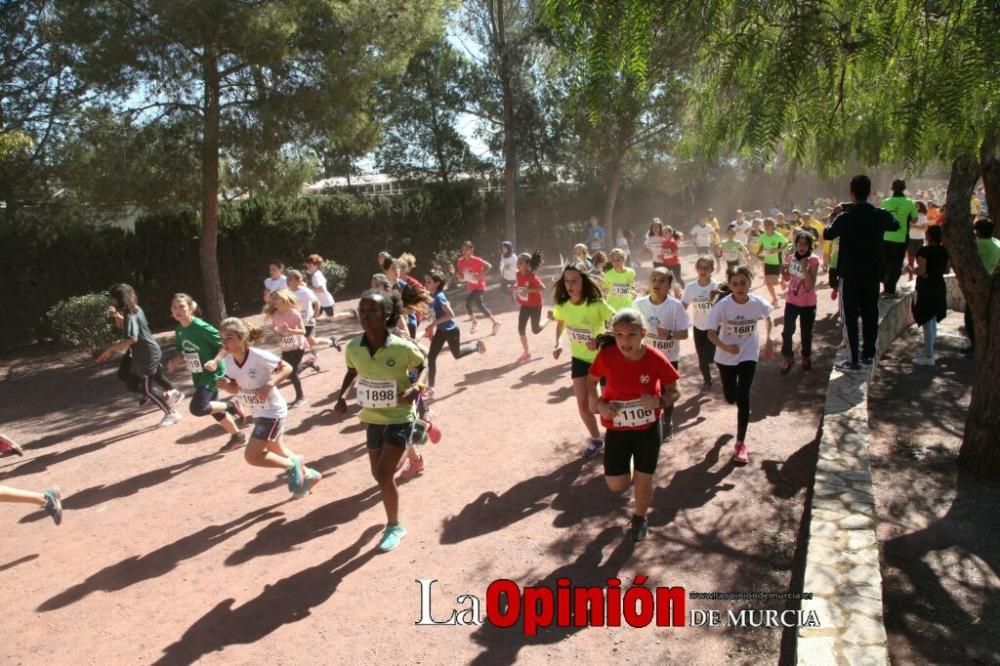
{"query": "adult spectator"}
pixel 894 248
pixel 989 253
pixel 861 228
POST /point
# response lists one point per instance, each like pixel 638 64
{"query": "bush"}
pixel 82 321
pixel 336 276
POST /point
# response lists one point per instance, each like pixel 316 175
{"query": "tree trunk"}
pixel 215 304
pixel 611 197
pixel 509 146
pixel 980 452
pixel 989 162
pixel 786 190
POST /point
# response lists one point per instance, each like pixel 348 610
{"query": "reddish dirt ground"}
pixel 938 527
pixel 171 552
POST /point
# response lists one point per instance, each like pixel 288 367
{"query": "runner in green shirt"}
pixel 619 282
pixel 734 252
pixel 771 246
pixel 904 210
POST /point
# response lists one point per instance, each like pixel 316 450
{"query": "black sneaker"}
pixel 668 430
pixel 143 400
pixel 638 529
pixel 847 366
pixel 706 385
pixel 868 361
pixel 336 344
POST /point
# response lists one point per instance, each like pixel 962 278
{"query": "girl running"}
pixel 917 233
pixel 640 383
pixel 309 308
pixel 50 500
pixel 255 375
pixel 197 343
pixel 317 282
pixel 508 266
pixel 734 252
pixel 799 272
pixel 146 354
pixel 654 241
pixel 381 363
pixel 473 272
pixel 931 304
pixel 772 244
pixel 582 312
pixel 286 320
pixel 732 324
pixel 277 279
pixel 667 324
pixel 698 296
pixel 528 295
pixel 444 330
pixel 671 254
pixel 619 281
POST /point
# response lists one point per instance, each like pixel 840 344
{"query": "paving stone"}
pixel 866 574
pixel 856 522
pixel 816 651
pixel 865 656
pixel 856 604
pixel 863 630
pixel 821 578
pixel 859 540
pixel 830 613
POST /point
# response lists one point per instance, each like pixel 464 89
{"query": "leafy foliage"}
pixel 82 321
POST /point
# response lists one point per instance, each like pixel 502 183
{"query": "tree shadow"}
pixel 281 536
pixel 158 562
pixel 46 460
pixel 288 600
pixel 693 487
pixel 795 473
pixel 322 465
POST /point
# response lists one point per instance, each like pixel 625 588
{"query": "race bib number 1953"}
pixel 250 399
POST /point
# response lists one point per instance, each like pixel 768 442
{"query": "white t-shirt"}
pixel 702 235
pixel 317 280
pixel 508 268
pixel 669 314
pixel 274 285
pixel 699 298
pixel 918 232
pixel 256 370
pixel 654 243
pixel 742 231
pixel 306 298
pixel 737 325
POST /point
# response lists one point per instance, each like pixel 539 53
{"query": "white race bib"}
pixel 794 268
pixel 741 329
pixel 622 289
pixel 632 414
pixel 731 255
pixel 521 293
pixel 250 399
pixel 663 344
pixel 376 393
pixel 770 251
pixel 289 342
pixel 581 335
pixel 193 362
pixel 702 305
pixel 469 276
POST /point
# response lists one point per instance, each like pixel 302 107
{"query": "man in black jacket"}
pixel 860 228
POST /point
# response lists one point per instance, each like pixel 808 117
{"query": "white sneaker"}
pixel 169 420
pixel 923 360
pixel 174 396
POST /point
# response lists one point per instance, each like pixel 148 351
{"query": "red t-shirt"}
pixel 671 252
pixel 472 271
pixel 529 299
pixel 627 380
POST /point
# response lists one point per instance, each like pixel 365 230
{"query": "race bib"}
pixel 581 335
pixel 702 305
pixel 377 394
pixel 632 414
pixel 249 398
pixel 665 345
pixel 742 329
pixel 289 342
pixel 521 293
pixel 469 276
pixel 770 251
pixel 794 268
pixel 193 362
pixel 622 289
pixel 731 255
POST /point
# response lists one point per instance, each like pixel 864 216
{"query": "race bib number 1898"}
pixel 376 393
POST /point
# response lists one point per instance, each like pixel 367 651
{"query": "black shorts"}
pixel 621 447
pixel 309 330
pixel 397 434
pixel 268 429
pixel 772 269
pixel 579 368
pixel 327 310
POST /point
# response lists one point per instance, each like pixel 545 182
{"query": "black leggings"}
pixel 201 403
pixel 534 313
pixel 454 340
pixel 736 383
pixel 807 316
pixel 706 353
pixel 294 359
pixel 668 412
pixel 476 298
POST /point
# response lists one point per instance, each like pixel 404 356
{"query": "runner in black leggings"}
pixel 444 330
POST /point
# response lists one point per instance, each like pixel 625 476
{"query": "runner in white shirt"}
pixel 654 241
pixel 317 281
pixel 667 323
pixel 698 296
pixel 309 306
pixel 276 281
pixel 742 227
pixel 701 236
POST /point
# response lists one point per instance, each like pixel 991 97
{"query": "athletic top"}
pixel 653 244
pixel 524 297
pixel 699 298
pixel 595 237
pixel 771 246
pixel 702 234
pixel 440 300
pixel 256 370
pixel 291 319
pixel 628 380
pixel 274 285
pixel 861 228
pixel 198 343
pixel 383 377
pixel 742 229
pixel 797 293
pixel 670 252
pixel 989 252
pixel 472 271
pixel 671 315
pixel 146 352
pixel 904 210
pixel 317 280
pixel 737 325
pixel 731 250
pixel 619 287
pixel 306 298
pixel 508 267
pixel 917 231
pixel 584 322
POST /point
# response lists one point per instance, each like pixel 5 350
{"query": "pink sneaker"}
pixel 413 467
pixel 742 456
pixel 433 433
pixel 524 358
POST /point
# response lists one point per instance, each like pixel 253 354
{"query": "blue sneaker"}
pixel 391 537
pixel 53 504
pixel 312 477
pixel 296 474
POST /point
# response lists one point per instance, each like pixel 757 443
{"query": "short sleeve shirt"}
pixel 737 325
pixel 146 352
pixel 702 235
pixel 274 285
pixel 903 209
pixel 584 322
pixel 619 287
pixel 521 293
pixel 670 252
pixel 629 380
pixel 671 315
pixel 291 319
pixel 989 252
pixel 198 343
pixel 439 303
pixel 771 246
pixel 472 271
pixel 255 371
pixel 389 364
pixel 317 280
pixel 699 299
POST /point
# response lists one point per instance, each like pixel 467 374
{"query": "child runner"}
pixel 582 312
pixel 619 282
pixel 286 319
pixel 734 252
pixel 317 282
pixel 444 330
pixel 640 382
pixel 698 296
pixel 473 272
pixel 528 295
pixel 799 272
pixel 671 254
pixel 309 308
pixel 50 500
pixel 931 304
pixel 197 343
pixel 771 246
pixel 582 256
pixel 701 237
pixel 508 266
pixel 146 354
pixel 277 281
pixel 381 362
pixel 753 236
pixel 654 241
pixel 621 242
pixel 732 326
pixel 667 323
pixel 9 446
pixel 255 375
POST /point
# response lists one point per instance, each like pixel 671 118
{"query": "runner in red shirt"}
pixel 640 383
pixel 472 270
pixel 528 294
pixel 671 255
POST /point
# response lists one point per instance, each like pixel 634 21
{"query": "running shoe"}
pixel 923 360
pixel 236 440
pixel 786 366
pixel 847 366
pixel 53 504
pixel 241 415
pixel 412 468
pixel 668 430
pixel 867 361
pixel 638 529
pixel 391 537
pixel 298 402
pixel 496 327
pixel 742 456
pixel 706 385
pixel 143 400
pixel 475 328
pixel 593 447
pixel 807 363
pixel 296 473
pixel 8 446
pixel 174 397
pixel 173 418
pixel 336 344
pixel 481 347
pixel 433 432
pixel 524 358
pixel 311 479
